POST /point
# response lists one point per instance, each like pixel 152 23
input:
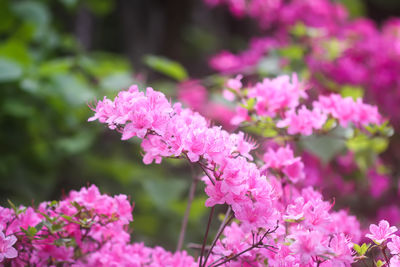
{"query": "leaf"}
pixel 75 144
pixel 326 147
pixel 39 226
pixel 101 7
pixel 15 50
pixel 55 66
pixel 167 67
pixel 357 248
pixel 197 209
pixel 33 11
pixel 354 92
pixel 299 30
pixel 294 52
pixel 364 248
pixel 9 70
pixel 12 205
pixel 164 192
pixel 269 65
pixel 73 88
pixel 379 263
pixel 356 8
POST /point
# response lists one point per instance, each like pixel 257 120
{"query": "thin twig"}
pixel 185 218
pixel 206 172
pixel 259 244
pixel 206 235
pixel 224 223
pixel 384 254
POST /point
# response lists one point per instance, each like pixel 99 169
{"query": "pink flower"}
pixel 394 245
pixel 241 115
pixel 283 160
pixel 304 121
pixel 382 232
pixel 395 261
pixel 6 249
pixel 295 211
pixel 308 244
pixel 379 183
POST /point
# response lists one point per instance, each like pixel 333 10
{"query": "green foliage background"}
pixel 47 146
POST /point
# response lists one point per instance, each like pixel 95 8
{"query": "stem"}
pixel 206 172
pixel 259 244
pixel 384 254
pixel 206 235
pixel 224 223
pixel 185 219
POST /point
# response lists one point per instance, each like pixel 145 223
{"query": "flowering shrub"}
pixel 272 218
pixel 269 183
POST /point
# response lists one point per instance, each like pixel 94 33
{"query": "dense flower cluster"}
pixel 279 222
pixel 85 229
pixel 338 51
pixel 277 219
pixel 270 13
pixel 280 99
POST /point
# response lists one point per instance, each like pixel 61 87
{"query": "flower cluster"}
pixel 280 100
pixel 270 13
pixel 171 131
pixel 85 229
pixel 338 51
pixel 279 222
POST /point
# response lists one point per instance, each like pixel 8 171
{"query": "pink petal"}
pixel 10 240
pixel 11 253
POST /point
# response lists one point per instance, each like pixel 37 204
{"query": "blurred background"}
pixel 58 56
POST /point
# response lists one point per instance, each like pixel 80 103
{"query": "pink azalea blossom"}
pixel 7 251
pixel 380 233
pixel 394 245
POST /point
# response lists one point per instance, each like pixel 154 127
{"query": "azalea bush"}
pixel 291 145
pixel 271 217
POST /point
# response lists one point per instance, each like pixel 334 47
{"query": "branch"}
pixel 258 244
pixel 224 223
pixel 185 219
pixel 206 235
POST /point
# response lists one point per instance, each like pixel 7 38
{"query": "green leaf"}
pixel 269 66
pixel 334 48
pixel 75 144
pixel 167 67
pixel 357 248
pixel 354 92
pixel 73 88
pixel 326 147
pixel 379 144
pixel 379 263
pixel 39 226
pixel 164 192
pixel 55 66
pixel 294 52
pixel 364 248
pixel 9 70
pixel 34 13
pixel 69 3
pixel 117 81
pixel 18 108
pixel 299 30
pixel 12 205
pixel 101 7
pixel 32 231
pixel 197 209
pixel 356 8
pixel 70 219
pixel 15 50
